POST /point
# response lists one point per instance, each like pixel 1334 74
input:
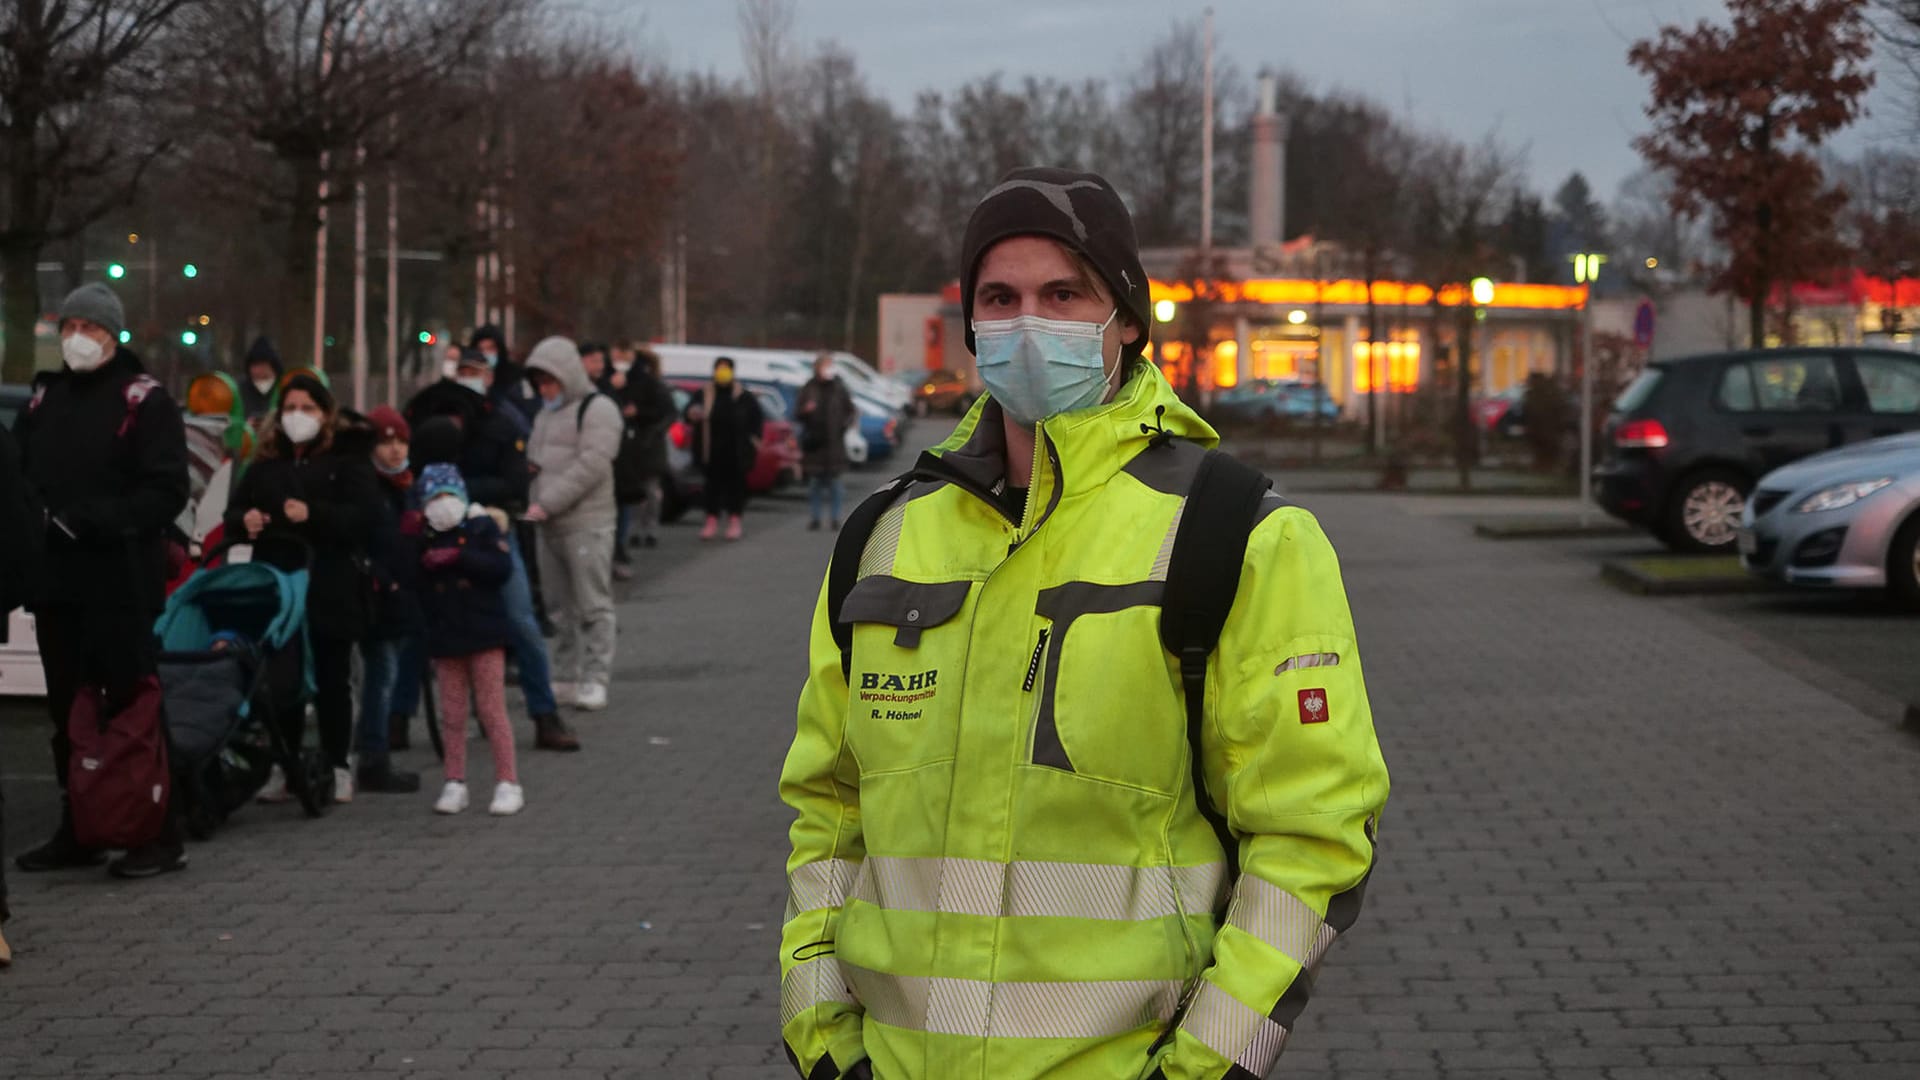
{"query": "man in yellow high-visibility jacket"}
pixel 1000 868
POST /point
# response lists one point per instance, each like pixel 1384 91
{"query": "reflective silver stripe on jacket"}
pixel 1280 919
pixel 816 982
pixel 1308 660
pixel 817 885
pixel 1039 889
pixel 1229 1028
pixel 1050 1010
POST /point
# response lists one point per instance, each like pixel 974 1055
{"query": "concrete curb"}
pixel 1549 528
pixel 1628 576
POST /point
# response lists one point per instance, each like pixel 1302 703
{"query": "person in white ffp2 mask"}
pixel 261 378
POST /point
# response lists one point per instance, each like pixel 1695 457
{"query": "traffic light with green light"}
pixel 116 271
pixel 189 338
pixel 190 271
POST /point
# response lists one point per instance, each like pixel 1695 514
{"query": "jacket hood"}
pixel 262 349
pixel 1087 445
pixel 558 357
pixel 354 434
pixel 489 332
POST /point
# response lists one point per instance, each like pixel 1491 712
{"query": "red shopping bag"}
pixel 117 780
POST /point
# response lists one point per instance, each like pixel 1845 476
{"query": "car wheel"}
pixel 1903 565
pixel 1703 514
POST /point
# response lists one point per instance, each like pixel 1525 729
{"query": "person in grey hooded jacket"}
pixel 575 439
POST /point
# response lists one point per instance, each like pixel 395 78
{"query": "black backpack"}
pixel 1202 577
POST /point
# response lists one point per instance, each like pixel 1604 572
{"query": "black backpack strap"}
pixel 580 415
pixel 1202 577
pixel 848 550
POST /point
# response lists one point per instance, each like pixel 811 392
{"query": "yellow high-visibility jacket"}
pixel 999 870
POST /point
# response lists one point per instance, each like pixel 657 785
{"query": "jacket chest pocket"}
pixel 907 639
pixel 1104 697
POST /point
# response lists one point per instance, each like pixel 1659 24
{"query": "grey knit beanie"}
pixel 98 305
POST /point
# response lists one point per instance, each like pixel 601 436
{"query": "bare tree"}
pixel 1458 197
pixel 72 73
pixel 302 83
pixel 1162 101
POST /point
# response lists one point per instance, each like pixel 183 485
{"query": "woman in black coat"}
pixel 726 419
pixel 312 480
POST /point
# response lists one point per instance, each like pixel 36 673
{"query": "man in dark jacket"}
pixel 491 449
pixel 826 411
pixel 20 552
pixel 398 627
pixel 104 449
pixel 642 466
pixel 262 376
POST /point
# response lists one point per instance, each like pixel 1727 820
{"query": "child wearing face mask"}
pixel 464 563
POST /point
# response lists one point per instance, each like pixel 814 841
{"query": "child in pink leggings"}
pixel 464 562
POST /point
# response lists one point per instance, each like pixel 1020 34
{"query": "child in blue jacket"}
pixel 464 563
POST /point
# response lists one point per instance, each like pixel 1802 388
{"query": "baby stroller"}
pixel 234 664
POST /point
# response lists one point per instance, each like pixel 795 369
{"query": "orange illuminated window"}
pixel 1226 364
pixel 1396 364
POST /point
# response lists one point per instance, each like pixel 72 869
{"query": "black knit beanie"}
pixel 1082 211
pixel 435 441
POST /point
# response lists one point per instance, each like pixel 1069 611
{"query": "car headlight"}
pixel 1840 496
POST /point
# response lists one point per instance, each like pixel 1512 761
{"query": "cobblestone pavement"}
pixel 1621 845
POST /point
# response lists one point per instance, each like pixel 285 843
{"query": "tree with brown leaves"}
pixel 1737 110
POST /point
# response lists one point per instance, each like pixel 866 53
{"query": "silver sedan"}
pixel 1848 518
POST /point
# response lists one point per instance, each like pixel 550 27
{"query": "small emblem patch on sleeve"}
pixel 1313 706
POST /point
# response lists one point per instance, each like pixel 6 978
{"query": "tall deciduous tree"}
pixel 72 72
pixel 1736 109
pixel 302 83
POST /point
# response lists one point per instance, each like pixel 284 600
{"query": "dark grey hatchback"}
pixel 1691 437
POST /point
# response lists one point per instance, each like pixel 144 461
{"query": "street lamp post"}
pixel 1481 291
pixel 1586 271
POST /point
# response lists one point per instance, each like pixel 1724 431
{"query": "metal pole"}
pixel 506 281
pixel 393 287
pixel 1586 407
pixel 359 279
pixel 1206 149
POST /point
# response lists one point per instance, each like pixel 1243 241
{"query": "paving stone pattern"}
pixel 1619 847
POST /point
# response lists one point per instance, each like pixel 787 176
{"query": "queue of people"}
pixel 422 531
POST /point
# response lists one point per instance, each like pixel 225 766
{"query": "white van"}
pixel 785 366
pixel 861 375
pixel 791 367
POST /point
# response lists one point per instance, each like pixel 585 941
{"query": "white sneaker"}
pixel 453 798
pixel 566 693
pixel 276 789
pixel 343 785
pixel 508 800
pixel 592 697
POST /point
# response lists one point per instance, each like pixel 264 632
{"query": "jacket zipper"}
pixel 1033 667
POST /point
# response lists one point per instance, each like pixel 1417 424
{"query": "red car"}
pixel 778 463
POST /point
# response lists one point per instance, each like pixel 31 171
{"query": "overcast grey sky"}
pixel 1547 75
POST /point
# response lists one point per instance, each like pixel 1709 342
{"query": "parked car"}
pixel 1848 519
pixel 1267 401
pixel 940 390
pixel 1503 414
pixel 863 378
pixel 873 440
pixel 1688 440
pixel 684 486
pixel 778 463
pixel 13 401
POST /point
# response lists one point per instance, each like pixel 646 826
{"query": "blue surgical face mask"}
pixel 1039 368
pixel 552 404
